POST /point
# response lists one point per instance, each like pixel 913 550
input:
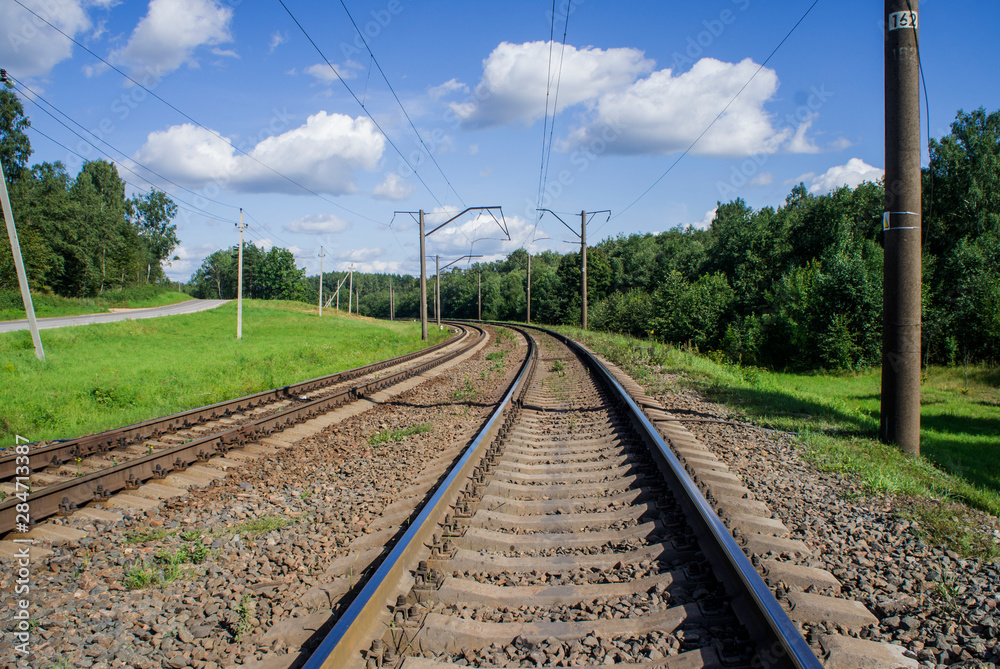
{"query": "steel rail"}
pixel 762 613
pixel 59 453
pixel 65 496
pixel 353 628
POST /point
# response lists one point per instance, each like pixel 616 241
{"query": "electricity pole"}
pixel 321 281
pixel 583 255
pixel 350 290
pixel 22 276
pixel 392 307
pixel 239 281
pixel 423 255
pixel 901 299
pixel 528 320
pixel 480 274
pixel 437 290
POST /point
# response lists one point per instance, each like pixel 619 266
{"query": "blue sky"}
pixel 638 83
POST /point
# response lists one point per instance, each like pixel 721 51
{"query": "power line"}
pixel 399 102
pixel 35 96
pixel 548 85
pixel 547 160
pixel 358 100
pixel 180 203
pixel 716 119
pixel 189 118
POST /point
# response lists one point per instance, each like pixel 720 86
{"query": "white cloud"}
pixel 29 47
pixel 277 39
pixel 317 224
pixel 448 87
pixel 170 33
pixel 762 179
pixel 393 188
pixel 706 222
pixel 663 113
pixel 361 255
pixel 374 267
pixel 322 155
pixel 322 72
pixel 801 179
pixel 853 174
pixel 800 143
pixel 513 85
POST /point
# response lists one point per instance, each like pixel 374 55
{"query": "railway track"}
pixel 63 476
pixel 566 534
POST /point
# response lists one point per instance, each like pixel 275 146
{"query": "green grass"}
pixel 836 417
pixel 47 306
pixel 145 536
pixel 263 525
pixel 398 435
pixel 98 377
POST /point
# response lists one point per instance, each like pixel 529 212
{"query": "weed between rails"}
pixel 398 435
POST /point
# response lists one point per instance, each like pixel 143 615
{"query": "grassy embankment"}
pixel 46 306
pixel 836 418
pixel 98 377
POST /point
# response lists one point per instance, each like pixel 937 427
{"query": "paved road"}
pixel 188 307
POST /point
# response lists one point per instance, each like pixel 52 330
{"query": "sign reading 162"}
pixel 903 21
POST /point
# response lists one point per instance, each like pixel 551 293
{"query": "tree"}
pixel 15 148
pixel 151 215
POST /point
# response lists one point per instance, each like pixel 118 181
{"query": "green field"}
pixel 47 306
pixel 836 418
pixel 98 377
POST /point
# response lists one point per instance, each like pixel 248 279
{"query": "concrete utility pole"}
pixel 901 302
pixel 392 306
pixel 321 281
pixel 423 255
pixel 529 290
pixel 480 274
pixel 338 290
pixel 22 276
pixel 239 282
pixel 350 290
pixel 583 255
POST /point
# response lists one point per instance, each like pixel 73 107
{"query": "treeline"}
pixel 267 275
pixel 80 236
pixel 798 285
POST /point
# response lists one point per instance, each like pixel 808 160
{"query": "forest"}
pixel 795 286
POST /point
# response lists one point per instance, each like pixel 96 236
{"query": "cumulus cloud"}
pixel 171 31
pixel 853 174
pixel 317 224
pixel 373 267
pixel 322 155
pixel 448 87
pixel 393 188
pixel 29 47
pixel 664 113
pixel 513 85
